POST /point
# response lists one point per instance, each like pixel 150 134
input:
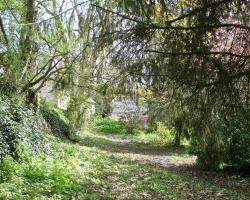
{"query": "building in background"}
pixel 128 109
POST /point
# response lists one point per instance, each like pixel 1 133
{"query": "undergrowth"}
pixel 57 120
pixel 93 167
pixel 109 125
pixel 75 171
pixel 161 135
pixel 19 125
pixel 38 176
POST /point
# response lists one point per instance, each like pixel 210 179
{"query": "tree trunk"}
pixel 177 140
pixel 178 126
pixel 26 38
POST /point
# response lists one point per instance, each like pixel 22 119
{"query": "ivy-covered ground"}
pixel 99 166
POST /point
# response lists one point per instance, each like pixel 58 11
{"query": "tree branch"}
pixel 197 10
pixel 196 53
pixel 163 27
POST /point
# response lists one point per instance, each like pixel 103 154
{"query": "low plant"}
pixel 109 125
pixel 19 125
pixel 115 126
pixel 38 176
pixel 57 120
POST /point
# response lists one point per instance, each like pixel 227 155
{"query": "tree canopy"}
pixel 189 59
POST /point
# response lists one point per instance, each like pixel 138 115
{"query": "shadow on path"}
pixel 172 158
pixel 127 144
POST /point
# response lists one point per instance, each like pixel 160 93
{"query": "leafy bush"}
pixel 150 129
pixel 37 177
pixel 57 120
pixel 161 136
pixel 228 144
pixel 165 133
pixel 236 136
pixel 114 126
pixel 19 125
pixel 109 125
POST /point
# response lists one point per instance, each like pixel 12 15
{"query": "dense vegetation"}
pixel 20 127
pixel 100 167
pixel 181 69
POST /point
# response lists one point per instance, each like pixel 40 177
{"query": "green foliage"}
pixel 37 176
pixel 150 129
pixel 161 135
pixel 96 169
pixel 76 110
pixel 236 136
pixel 182 53
pixel 165 133
pixel 229 145
pixel 209 155
pixel 109 125
pixel 19 125
pixel 114 126
pixel 57 120
pixel 183 72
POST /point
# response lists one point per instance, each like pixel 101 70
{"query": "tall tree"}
pixel 201 47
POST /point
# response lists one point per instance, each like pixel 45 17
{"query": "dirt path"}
pixel 168 158
pixel 164 156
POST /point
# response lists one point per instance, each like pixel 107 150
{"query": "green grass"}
pixel 114 126
pixel 109 125
pixel 99 167
pixel 162 136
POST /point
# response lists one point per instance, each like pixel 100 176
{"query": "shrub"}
pixel 57 120
pixel 38 177
pixel 236 135
pixel 19 125
pixel 164 132
pixel 150 129
pixel 109 125
pixel 227 143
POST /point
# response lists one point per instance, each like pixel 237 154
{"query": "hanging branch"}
pixel 163 27
pixel 55 16
pixel 197 53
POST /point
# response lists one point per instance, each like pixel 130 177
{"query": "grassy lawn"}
pixel 98 166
